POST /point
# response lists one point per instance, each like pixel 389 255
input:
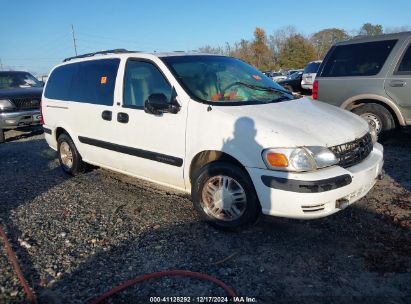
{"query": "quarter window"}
pixel 405 66
pixel 361 59
pixel 140 81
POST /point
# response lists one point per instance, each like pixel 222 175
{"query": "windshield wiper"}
pixel 257 87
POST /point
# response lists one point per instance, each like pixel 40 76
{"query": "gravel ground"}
pixel 77 237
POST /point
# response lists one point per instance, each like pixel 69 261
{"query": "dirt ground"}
pixel 76 237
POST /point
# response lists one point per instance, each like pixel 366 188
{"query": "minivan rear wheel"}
pixel 224 195
pixel 377 117
pixel 69 158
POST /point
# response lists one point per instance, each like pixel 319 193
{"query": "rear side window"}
pixel 89 82
pixel 312 67
pixel 361 59
pixel 405 66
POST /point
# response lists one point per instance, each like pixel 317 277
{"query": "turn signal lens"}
pixel 277 159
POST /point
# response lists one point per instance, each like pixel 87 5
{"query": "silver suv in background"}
pixel 309 74
pixel 370 76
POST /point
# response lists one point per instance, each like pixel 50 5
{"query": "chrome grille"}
pixel 31 103
pixel 353 152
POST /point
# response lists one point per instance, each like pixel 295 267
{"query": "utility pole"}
pixel 1 65
pixel 74 39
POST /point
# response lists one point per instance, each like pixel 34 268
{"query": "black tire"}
pixel 2 136
pixel 252 209
pixel 78 166
pixel 381 113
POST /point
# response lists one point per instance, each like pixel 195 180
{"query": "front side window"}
pixel 223 80
pixel 405 66
pixel 12 80
pixel 140 81
pixel 361 59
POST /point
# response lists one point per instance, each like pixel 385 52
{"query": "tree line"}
pixel 286 48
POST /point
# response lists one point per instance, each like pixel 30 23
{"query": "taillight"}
pixel 41 112
pixel 315 90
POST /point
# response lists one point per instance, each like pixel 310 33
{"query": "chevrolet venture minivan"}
pixel 212 126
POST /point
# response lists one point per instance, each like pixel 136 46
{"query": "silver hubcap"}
pixel 224 198
pixel 66 155
pixel 374 121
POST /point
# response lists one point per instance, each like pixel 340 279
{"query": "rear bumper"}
pixel 13 120
pixel 316 194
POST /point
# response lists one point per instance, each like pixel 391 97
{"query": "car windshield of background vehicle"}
pixel 224 80
pixel 12 80
pixel 361 59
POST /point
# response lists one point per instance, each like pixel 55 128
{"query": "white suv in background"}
pixel 309 74
pixel 212 126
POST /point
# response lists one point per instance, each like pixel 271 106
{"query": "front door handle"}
pixel 122 117
pixel 106 115
pixel 398 83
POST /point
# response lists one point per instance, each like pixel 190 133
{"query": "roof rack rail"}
pixel 114 51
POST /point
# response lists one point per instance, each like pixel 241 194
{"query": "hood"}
pixel 299 122
pixel 21 92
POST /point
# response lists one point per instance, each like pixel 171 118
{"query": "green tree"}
pixel 296 52
pixel 369 29
pixel 324 39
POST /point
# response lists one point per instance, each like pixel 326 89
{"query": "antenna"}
pixel 74 39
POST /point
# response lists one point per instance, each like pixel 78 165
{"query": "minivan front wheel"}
pixel 377 116
pixel 69 158
pixel 223 194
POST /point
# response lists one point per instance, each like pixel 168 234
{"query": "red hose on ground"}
pixel 161 274
pixel 32 298
pixel 13 260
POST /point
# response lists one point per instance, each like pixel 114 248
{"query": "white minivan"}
pixel 212 126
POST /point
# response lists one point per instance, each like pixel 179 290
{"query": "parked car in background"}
pixel 293 82
pixel 309 74
pixel 290 72
pixel 212 126
pixel 370 76
pixel 20 95
pixel 277 76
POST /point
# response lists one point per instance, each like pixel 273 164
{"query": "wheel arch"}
pixel 359 100
pixel 208 156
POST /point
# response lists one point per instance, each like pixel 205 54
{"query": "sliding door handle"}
pixel 106 115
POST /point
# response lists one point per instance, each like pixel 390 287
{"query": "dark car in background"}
pixel 293 82
pixel 20 96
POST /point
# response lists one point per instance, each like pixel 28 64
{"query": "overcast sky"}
pixel 35 35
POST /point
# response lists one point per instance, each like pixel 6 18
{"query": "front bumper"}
pixel 316 194
pixel 13 120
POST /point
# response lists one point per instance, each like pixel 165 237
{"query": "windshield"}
pixel 11 80
pixel 223 80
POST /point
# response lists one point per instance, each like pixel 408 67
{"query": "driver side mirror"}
pixel 157 103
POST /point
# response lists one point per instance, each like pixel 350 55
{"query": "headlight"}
pixel 6 104
pixel 298 159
